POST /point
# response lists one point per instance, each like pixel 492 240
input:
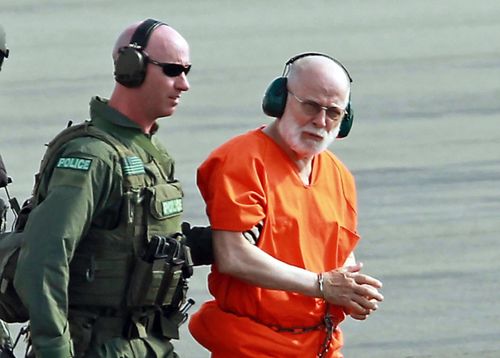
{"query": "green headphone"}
pixel 274 101
pixel 132 61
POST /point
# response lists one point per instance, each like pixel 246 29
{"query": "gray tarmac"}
pixel 424 147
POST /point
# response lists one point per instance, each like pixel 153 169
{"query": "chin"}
pixel 302 152
pixel 315 149
pixel 168 113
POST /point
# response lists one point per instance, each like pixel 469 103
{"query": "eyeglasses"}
pixel 171 69
pixel 334 113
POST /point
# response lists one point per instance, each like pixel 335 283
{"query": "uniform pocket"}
pixel 165 209
pixel 166 200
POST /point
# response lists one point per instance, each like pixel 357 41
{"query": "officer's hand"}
pixel 357 293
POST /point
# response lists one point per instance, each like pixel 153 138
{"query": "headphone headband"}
pixel 307 54
pixel 141 35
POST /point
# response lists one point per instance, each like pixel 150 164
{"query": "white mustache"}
pixel 322 132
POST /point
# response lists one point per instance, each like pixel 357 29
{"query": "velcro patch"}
pixel 133 165
pixel 74 163
pixel 172 206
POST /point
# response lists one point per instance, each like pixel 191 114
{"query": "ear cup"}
pixel 274 101
pixel 132 61
pixel 130 67
pixel 346 124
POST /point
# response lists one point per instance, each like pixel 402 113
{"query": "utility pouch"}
pixel 171 252
pixel 144 283
pixel 170 325
pixel 156 274
pixel 173 274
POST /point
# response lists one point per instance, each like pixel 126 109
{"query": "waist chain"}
pixel 326 324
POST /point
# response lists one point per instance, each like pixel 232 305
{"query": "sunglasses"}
pixel 311 108
pixel 171 69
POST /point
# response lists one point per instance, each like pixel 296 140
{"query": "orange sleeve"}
pixel 232 182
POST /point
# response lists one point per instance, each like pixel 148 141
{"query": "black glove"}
pixel 199 240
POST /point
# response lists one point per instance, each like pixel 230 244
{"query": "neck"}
pixel 302 163
pixel 128 106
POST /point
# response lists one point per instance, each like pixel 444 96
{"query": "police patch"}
pixel 74 163
pixel 133 165
pixel 172 206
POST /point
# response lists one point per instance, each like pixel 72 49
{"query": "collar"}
pixel 99 108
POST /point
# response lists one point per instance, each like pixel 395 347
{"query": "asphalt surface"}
pixel 425 147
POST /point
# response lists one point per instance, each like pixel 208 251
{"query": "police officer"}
pixel 103 269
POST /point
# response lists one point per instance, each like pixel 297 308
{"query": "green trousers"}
pixel 101 337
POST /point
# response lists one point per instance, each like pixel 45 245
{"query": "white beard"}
pixel 291 133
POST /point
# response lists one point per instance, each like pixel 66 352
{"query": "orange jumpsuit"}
pixel 251 179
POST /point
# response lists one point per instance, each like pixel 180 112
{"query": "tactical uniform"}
pixel 81 271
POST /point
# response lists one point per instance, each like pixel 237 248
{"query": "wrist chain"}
pixel 329 329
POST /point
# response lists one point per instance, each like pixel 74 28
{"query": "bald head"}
pixel 163 39
pixel 319 74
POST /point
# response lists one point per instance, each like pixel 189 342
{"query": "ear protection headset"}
pixel 274 101
pixel 132 61
pixel 4 51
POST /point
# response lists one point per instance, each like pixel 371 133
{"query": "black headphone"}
pixel 3 55
pixel 132 61
pixel 4 51
pixel 274 101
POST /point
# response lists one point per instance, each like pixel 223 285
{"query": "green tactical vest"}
pixel 105 262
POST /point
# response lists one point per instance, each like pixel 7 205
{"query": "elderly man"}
pixel 286 294
pixel 103 269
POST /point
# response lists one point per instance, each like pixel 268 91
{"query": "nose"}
pixel 181 82
pixel 320 120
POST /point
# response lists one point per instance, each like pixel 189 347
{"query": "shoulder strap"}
pixel 52 147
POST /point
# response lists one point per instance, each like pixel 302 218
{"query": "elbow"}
pixel 231 253
pixel 227 265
